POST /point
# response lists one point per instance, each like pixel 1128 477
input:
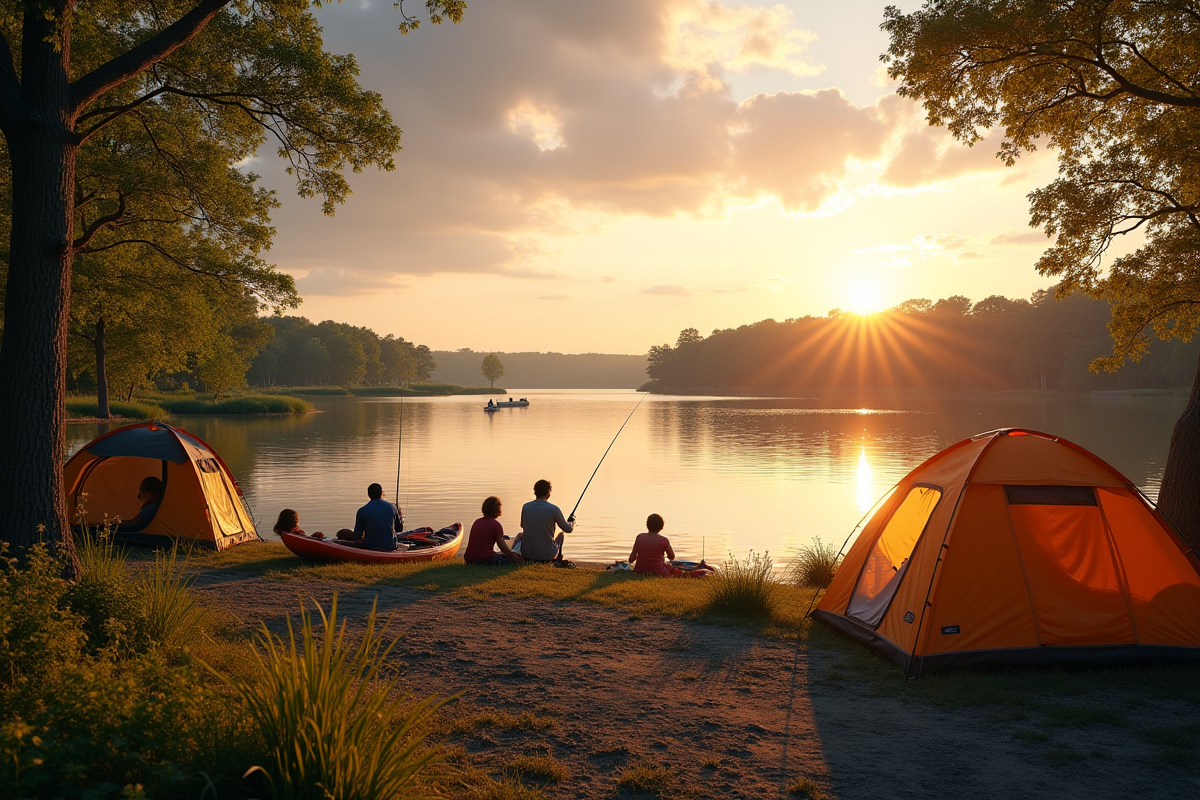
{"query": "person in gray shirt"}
pixel 538 518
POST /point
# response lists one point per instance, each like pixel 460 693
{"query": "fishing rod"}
pixel 399 449
pixel 610 446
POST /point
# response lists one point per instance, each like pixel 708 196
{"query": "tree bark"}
pixel 33 356
pixel 1179 495
pixel 101 372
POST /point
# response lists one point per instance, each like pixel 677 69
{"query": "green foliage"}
pixel 492 369
pixel 137 410
pixel 172 615
pixel 1112 87
pixel 744 588
pixel 250 404
pixel 422 390
pixel 328 724
pixel 110 603
pixel 814 566
pixel 39 634
pixel 304 354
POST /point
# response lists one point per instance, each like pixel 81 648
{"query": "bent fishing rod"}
pixel 610 446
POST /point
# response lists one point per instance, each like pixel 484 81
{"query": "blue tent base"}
pixel 1084 657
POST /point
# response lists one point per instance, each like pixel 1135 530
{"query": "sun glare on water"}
pixel 864 299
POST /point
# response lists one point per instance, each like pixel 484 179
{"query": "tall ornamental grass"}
pixel 328 724
pixel 814 566
pixel 79 407
pixel 744 588
pixel 173 617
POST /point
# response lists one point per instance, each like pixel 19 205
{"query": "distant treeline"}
pixel 953 344
pixel 545 370
pixel 334 353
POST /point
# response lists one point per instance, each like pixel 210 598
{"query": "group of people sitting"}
pixel 377 523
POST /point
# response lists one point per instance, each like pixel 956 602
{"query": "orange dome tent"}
pixel 201 501
pixel 1017 548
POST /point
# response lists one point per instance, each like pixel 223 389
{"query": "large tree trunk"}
pixel 33 356
pixel 101 372
pixel 1179 496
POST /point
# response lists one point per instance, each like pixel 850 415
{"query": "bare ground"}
pixel 732 714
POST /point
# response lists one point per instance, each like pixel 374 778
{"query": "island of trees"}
pixel 952 344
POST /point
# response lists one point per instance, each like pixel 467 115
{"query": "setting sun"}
pixel 864 299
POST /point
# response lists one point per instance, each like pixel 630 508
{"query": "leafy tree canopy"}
pixel 1114 87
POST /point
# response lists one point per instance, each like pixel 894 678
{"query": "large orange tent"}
pixel 1017 548
pixel 201 501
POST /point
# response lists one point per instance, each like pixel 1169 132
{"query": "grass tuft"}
pixel 814 566
pixel 808 788
pixel 539 768
pixel 646 777
pixel 173 617
pixel 744 588
pixel 325 716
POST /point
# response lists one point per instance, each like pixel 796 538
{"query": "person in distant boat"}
pixel 377 523
pixel 649 549
pixel 487 531
pixel 538 519
pixel 491 403
pixel 288 522
pixel 150 493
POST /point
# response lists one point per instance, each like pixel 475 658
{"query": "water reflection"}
pixel 726 473
pixel 865 494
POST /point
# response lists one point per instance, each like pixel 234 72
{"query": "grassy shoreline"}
pixel 160 406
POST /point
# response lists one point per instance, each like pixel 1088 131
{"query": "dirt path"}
pixel 717 705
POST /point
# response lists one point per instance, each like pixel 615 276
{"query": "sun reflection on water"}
pixel 865 493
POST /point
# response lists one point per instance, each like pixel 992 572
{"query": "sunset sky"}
pixel 593 177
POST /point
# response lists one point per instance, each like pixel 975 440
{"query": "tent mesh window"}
pixel 1050 495
pixel 884 568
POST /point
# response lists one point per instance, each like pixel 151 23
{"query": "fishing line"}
pixel 400 446
pixel 610 446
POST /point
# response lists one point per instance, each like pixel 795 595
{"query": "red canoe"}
pixel 331 551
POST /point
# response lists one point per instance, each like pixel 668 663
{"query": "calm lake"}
pixel 727 474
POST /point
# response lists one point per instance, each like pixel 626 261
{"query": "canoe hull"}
pixel 330 551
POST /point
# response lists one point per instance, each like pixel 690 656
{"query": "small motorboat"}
pixel 421 544
pixel 522 403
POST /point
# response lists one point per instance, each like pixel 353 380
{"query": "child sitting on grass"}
pixel 649 549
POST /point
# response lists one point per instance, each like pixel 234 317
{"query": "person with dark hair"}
pixel 487 531
pixel 377 523
pixel 538 519
pixel 150 493
pixel 649 549
pixel 288 522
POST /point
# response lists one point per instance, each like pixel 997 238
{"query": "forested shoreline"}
pixel 952 344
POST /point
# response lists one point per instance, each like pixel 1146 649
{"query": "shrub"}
pixel 38 633
pixel 109 602
pixel 744 588
pixel 813 567
pixel 646 777
pixel 327 725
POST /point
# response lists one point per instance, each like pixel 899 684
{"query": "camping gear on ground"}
pixel 422 544
pixel 201 504
pixel 1016 547
pixel 693 569
pixel 522 403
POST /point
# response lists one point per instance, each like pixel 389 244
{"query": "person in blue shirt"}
pixel 377 523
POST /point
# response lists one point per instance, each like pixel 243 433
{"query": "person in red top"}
pixel 289 522
pixel 487 531
pixel 649 549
